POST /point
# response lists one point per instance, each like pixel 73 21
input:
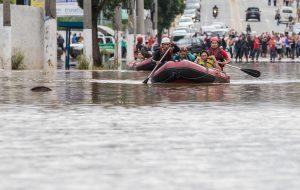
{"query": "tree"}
pixel 107 6
pixel 167 11
pixel 11 1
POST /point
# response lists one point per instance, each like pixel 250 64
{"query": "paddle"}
pixel 157 64
pixel 251 72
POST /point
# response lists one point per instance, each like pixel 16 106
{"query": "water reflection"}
pixel 279 83
pixel 107 130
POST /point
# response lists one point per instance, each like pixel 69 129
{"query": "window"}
pixel 100 40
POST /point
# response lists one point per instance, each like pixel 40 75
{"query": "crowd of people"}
pixel 238 47
pixel 266 45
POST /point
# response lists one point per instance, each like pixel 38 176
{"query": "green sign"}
pixel 108 46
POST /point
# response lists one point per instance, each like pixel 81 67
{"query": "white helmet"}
pixel 165 40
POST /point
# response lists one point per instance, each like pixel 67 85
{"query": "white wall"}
pixel 27 34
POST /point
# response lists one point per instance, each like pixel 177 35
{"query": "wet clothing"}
pixel 60 42
pixel 189 57
pixel 140 48
pixel 220 55
pixel 209 63
pixel 158 54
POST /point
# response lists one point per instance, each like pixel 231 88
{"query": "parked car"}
pixel 184 42
pixel 178 35
pixel 186 21
pixel 223 25
pixel 219 32
pixel 190 13
pixel 105 43
pixel 197 45
pixel 296 28
pixel 207 29
pixel 189 30
pixel 253 13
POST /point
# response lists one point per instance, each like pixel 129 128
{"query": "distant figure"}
pixel 286 2
pixel 275 3
pixel 124 47
pixel 80 38
pixel 248 29
pixel 60 42
pixel 74 39
pixel 269 2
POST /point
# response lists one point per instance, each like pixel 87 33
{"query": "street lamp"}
pixel 215 11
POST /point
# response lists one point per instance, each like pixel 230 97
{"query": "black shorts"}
pixel 279 51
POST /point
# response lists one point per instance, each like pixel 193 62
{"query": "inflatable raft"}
pixel 188 72
pixel 146 65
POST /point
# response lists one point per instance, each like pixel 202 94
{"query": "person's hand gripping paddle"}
pixel 157 64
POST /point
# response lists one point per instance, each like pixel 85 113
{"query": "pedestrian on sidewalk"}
pixel 293 46
pixel 279 47
pixel 124 47
pixel 287 47
pixel 298 46
pixel 275 3
pixel 256 48
pixel 264 46
pixel 272 49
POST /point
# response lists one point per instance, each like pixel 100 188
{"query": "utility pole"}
pixel 118 37
pixel 7 46
pixel 50 38
pixel 155 16
pixel 87 32
pixel 140 17
pixel 130 38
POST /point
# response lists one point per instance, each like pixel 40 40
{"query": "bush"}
pixel 17 61
pixel 83 62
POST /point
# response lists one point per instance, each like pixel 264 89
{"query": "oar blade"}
pixel 252 72
pixel 146 80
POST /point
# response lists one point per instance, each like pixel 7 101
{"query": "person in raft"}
pixel 220 54
pixel 164 47
pixel 207 61
pixel 184 54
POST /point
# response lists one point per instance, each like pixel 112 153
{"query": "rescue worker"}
pixel 165 46
pixel 220 54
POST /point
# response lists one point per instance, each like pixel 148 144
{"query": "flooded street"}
pixel 106 130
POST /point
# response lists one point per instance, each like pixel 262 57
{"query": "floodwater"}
pixel 106 130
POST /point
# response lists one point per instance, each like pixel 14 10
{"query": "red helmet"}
pixel 214 39
pixel 139 39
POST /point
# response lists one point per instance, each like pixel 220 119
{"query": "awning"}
pixel 106 30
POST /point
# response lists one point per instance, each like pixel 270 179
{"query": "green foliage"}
pixel 107 6
pixel 167 11
pixel 11 1
pixel 83 62
pixel 17 60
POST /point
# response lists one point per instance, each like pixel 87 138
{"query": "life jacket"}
pixel 217 54
pixel 208 64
